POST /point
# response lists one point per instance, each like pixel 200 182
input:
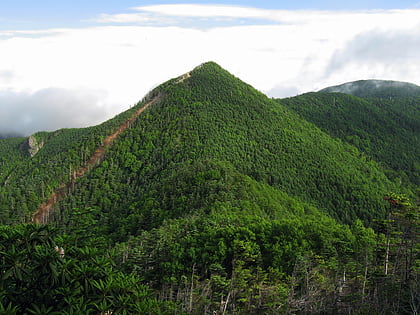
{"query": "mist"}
pixel 380 54
pixel 23 113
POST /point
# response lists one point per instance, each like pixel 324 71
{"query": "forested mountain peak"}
pixel 206 115
pixel 376 88
pixel 215 198
pixel 209 117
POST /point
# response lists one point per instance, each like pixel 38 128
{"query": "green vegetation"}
pixel 376 89
pixel 385 130
pixel 38 277
pixel 26 182
pixel 216 199
pixel 213 116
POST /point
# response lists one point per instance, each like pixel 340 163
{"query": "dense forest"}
pixel 218 200
pixel 387 130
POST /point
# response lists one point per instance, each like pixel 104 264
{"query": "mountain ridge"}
pixel 213 102
pixel 214 199
pixel 197 123
pixel 379 127
pixel 43 212
pixel 375 88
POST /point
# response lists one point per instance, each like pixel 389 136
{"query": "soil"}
pixel 45 210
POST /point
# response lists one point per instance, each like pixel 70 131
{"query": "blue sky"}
pixel 77 63
pixel 21 14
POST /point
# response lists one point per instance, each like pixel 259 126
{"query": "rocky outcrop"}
pixel 183 77
pixel 32 146
pixel 46 210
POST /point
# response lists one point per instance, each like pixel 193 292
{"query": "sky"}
pixel 77 63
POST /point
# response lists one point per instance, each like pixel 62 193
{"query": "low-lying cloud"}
pixel 283 90
pixel 380 54
pixel 49 109
pixel 286 53
pixel 6 76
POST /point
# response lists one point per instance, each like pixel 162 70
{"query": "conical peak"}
pixel 208 64
pixel 210 67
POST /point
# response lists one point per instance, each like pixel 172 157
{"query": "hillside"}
pixel 376 88
pixel 26 181
pixel 219 198
pixel 385 130
pixel 214 117
pixel 209 116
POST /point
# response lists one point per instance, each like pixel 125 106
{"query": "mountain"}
pixel 27 179
pixel 208 115
pixel 218 197
pixel 384 129
pixel 376 88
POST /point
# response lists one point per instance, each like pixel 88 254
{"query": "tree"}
pixel 35 278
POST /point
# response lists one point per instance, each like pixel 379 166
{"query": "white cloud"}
pixel 177 13
pixel 6 75
pixel 384 54
pixel 49 109
pixel 143 18
pixel 392 48
pixel 200 10
pixel 283 90
pixel 301 51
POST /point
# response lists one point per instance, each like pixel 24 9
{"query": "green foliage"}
pixel 36 278
pixel 172 249
pixel 211 133
pixel 243 256
pixel 217 199
pixel 376 89
pixel 384 130
pixel 26 182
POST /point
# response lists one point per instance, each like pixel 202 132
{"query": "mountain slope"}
pixel 210 116
pixel 26 181
pixel 386 130
pixel 45 210
pixel 376 88
pixel 221 199
pixel 207 115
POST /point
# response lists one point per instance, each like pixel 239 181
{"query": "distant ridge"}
pixel 376 89
pixel 10 135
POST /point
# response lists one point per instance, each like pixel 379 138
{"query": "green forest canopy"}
pixel 219 198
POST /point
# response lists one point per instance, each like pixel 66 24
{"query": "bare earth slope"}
pixel 46 209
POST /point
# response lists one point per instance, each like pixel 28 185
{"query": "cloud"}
pixel 49 109
pixel 283 90
pixel 202 10
pixel 141 18
pixel 6 76
pixel 191 16
pixel 175 14
pixel 380 54
pixel 210 16
pixel 285 53
pixel 383 47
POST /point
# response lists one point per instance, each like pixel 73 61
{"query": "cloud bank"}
pixel 279 52
pixel 380 54
pixel 47 110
